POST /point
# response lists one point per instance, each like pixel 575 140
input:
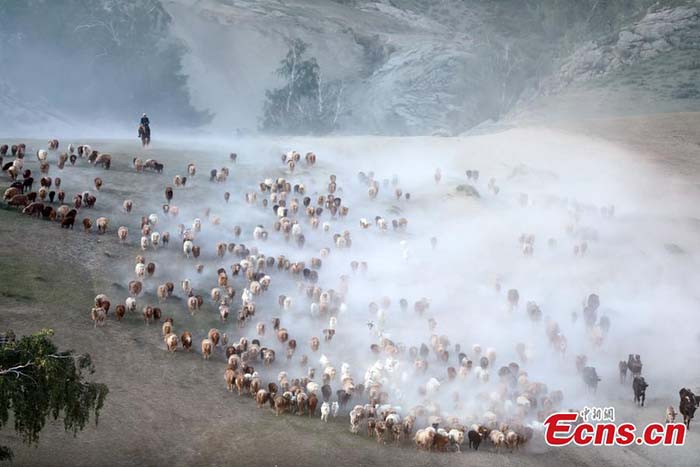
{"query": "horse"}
pixel 145 135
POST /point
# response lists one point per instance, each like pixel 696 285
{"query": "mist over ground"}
pixel 483 174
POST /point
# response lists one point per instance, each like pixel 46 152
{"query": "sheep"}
pixel 511 439
pixel 187 247
pixel 130 304
pixel 424 438
pixel 105 160
pixel 206 348
pixel 186 339
pixel 355 418
pixel 102 223
pixel 335 407
pixel 229 377
pixel 670 414
pixel 155 239
pixel 167 327
pixel 262 397
pixel 281 403
pixel 122 233
pixel 10 193
pixel 497 439
pixel 171 342
pixel 98 315
pixel 224 312
pixel 474 439
pixel 148 314
pixel 214 336
pixel 192 304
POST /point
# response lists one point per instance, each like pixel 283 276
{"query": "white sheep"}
pixel 456 438
pixel 497 438
pixel 155 239
pixel 187 247
pixel 312 387
pixel 325 410
pixel 433 386
pixel 334 408
pixel 130 304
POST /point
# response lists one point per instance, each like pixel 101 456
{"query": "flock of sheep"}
pixel 263 353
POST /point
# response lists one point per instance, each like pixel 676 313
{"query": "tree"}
pixel 37 381
pixel 305 103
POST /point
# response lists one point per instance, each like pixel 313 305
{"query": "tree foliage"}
pixel 38 381
pixel 305 104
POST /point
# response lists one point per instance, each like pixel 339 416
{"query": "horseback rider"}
pixel 145 130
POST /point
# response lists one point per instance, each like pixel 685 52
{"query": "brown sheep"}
pixel 18 200
pixel 214 336
pixel 186 339
pixel 87 224
pixel 148 314
pixel 120 311
pixel 67 222
pixel 135 288
pixel 262 397
pixel 281 404
pixel 98 183
pixel 312 403
pixel 229 376
pixel 10 193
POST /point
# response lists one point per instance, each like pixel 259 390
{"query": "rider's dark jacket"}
pixel 144 121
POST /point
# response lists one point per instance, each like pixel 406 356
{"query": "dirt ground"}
pixel 165 412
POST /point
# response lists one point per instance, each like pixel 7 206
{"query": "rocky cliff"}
pixel 406 66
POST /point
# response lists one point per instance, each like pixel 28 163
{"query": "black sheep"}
pixel 474 439
pixel 640 388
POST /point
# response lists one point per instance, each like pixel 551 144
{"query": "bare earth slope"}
pixel 179 414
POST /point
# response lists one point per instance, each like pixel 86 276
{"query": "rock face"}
pixel 656 33
pixel 404 71
pixel 407 67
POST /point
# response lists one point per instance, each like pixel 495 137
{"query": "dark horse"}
pixel 145 135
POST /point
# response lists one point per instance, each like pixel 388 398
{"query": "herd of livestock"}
pixel 263 354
